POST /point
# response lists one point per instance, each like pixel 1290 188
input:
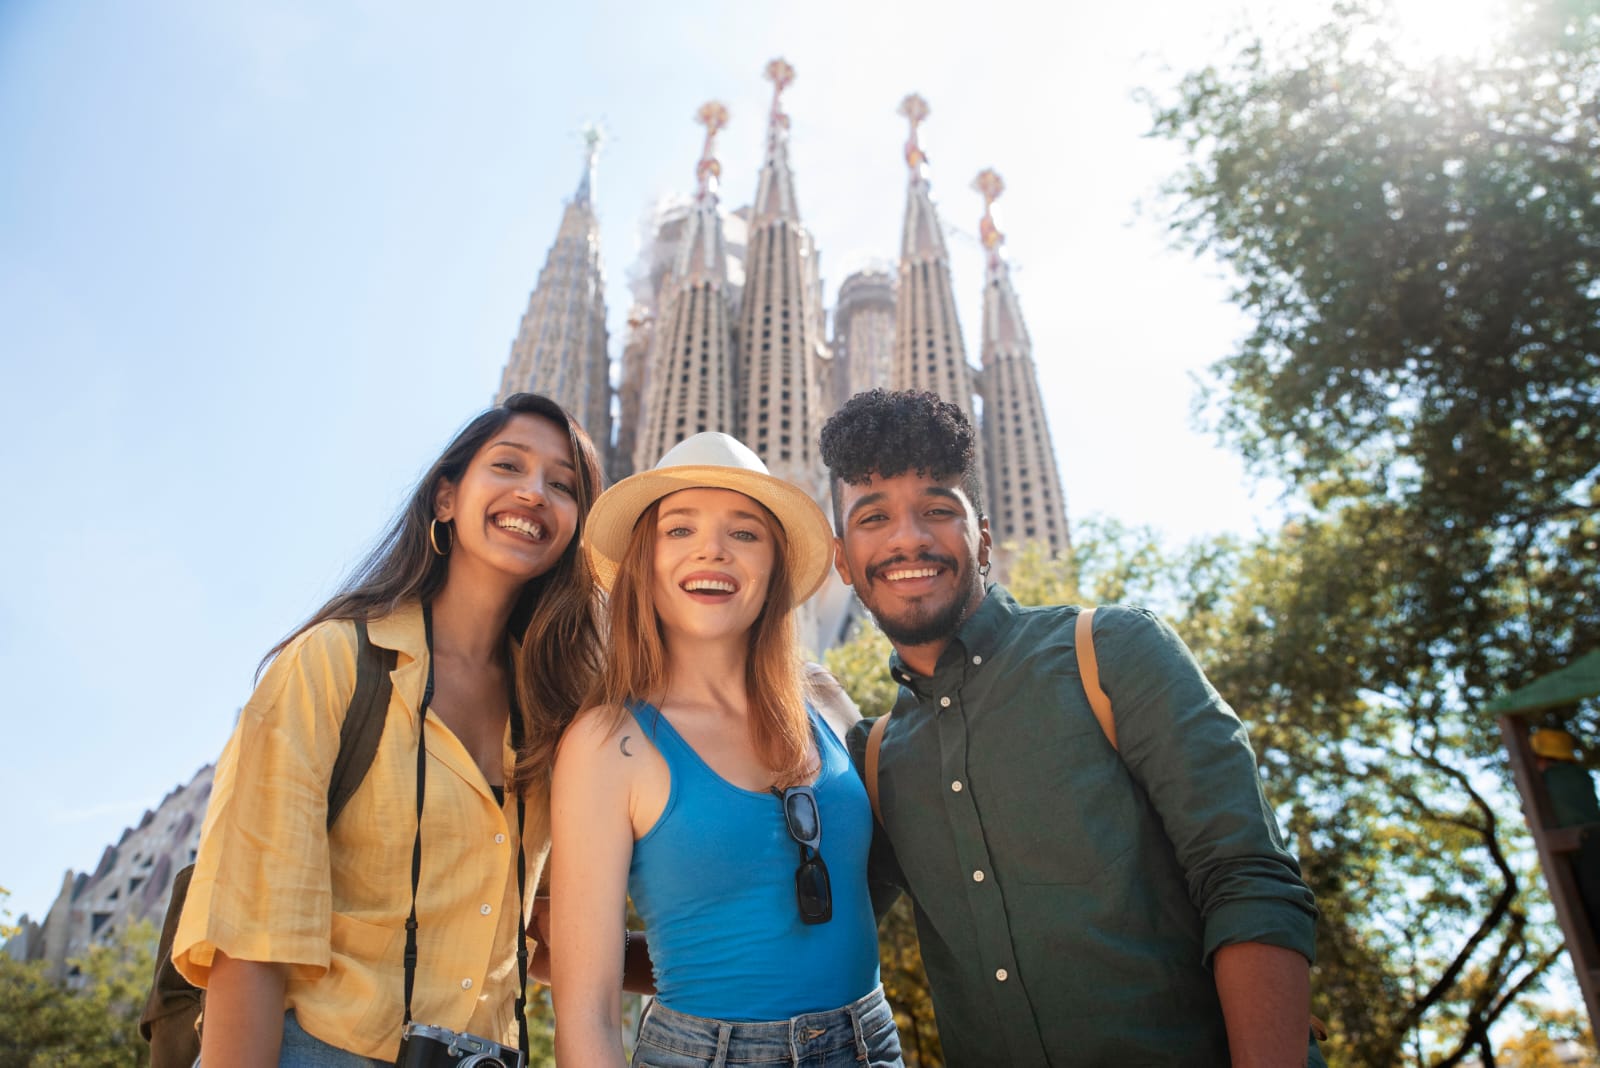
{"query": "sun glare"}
pixel 1424 30
pixel 1430 29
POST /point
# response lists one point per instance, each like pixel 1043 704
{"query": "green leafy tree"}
pixel 44 1023
pixel 1419 248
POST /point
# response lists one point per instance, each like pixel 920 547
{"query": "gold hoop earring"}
pixel 433 538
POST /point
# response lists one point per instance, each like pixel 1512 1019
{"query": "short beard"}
pixel 938 627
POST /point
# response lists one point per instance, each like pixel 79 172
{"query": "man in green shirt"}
pixel 1076 903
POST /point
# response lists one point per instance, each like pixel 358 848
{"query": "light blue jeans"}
pixel 861 1035
pixel 303 1050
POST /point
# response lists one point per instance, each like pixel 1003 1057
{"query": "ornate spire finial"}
pixel 713 116
pixel 781 75
pixel 914 108
pixel 594 136
pixel 990 185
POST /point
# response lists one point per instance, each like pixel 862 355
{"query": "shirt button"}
pixel 956 786
pixel 1001 974
pixel 977 660
pixel 466 984
pixel 977 876
pixel 944 702
pixel 499 839
pixel 485 909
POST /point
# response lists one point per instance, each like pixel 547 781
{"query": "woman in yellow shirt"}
pixel 298 932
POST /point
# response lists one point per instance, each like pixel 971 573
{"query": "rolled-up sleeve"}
pixel 261 887
pixel 1192 756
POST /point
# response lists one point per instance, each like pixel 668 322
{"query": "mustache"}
pixel 874 570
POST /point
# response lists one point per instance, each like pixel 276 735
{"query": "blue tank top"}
pixel 714 883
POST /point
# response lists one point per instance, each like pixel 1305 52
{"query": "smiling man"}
pixel 1076 903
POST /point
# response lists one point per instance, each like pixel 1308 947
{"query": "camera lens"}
pixel 483 1060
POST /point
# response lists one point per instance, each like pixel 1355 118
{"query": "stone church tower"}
pixel 560 349
pixel 692 356
pixel 780 325
pixel 928 349
pixel 1020 477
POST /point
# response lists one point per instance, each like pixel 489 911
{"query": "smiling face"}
pixel 911 546
pixel 515 508
pixel 714 554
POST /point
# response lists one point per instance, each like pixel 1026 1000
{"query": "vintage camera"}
pixel 426 1046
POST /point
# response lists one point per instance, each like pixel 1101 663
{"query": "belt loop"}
pixel 724 1034
pixel 861 1038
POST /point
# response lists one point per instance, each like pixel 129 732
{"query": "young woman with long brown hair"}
pixel 699 782
pixel 298 931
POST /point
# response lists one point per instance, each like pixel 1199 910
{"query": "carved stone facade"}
pixel 132 882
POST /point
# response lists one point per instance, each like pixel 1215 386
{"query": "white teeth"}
pixel 521 525
pixel 711 585
pixel 911 573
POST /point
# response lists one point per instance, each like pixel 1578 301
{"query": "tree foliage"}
pixel 93 1025
pixel 1419 247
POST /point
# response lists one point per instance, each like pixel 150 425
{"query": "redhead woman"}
pixel 298 931
pixel 699 782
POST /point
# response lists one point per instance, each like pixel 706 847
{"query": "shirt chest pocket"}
pixel 1057 804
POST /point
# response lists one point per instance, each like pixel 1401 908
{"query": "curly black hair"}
pixel 887 433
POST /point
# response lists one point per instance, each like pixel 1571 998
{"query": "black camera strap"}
pixel 416 845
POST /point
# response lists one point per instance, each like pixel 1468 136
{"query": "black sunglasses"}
pixel 812 888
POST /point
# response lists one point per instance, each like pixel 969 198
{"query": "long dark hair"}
pixel 636 662
pixel 555 616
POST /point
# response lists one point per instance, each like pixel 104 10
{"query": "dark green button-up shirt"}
pixel 1069 897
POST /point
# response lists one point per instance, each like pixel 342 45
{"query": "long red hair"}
pixel 636 664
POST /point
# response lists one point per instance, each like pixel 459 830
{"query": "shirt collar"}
pixel 400 630
pixel 974 644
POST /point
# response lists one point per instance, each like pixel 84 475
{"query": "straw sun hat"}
pixel 712 461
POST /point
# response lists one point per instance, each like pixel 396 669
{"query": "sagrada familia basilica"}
pixel 727 332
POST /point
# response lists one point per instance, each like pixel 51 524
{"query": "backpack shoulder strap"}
pixel 1089 671
pixel 173 1006
pixel 363 721
pixel 875 743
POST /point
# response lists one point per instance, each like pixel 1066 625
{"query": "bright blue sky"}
pixel 257 262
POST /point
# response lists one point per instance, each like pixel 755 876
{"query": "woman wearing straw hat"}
pixel 698 782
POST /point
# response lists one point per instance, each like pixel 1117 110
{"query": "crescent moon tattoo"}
pixel 623 745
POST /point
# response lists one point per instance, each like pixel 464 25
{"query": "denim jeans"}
pixel 303 1050
pixel 861 1034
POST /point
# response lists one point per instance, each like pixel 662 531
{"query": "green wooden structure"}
pixel 1557 845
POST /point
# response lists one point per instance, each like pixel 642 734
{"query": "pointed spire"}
pixel 561 345
pixel 915 108
pixel 990 185
pixel 713 116
pixel 691 344
pixel 775 193
pixel 921 238
pixel 1021 477
pixel 781 316
pixel 593 138
pixel 1002 314
pixel 702 254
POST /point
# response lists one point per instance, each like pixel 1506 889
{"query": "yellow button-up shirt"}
pixel 271 883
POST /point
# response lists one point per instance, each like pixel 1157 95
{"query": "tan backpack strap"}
pixel 875 743
pixel 1089 671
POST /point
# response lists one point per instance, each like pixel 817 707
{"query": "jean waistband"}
pixel 722 1041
